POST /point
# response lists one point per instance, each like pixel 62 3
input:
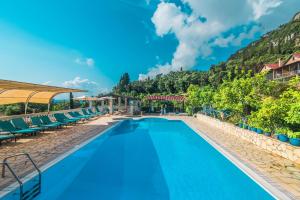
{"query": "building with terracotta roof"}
pixel 284 70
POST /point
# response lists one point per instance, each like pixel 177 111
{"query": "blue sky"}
pixel 89 44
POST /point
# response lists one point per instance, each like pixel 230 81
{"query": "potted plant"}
pixel 240 124
pixel 253 129
pixel 259 131
pixel 282 134
pixel 282 137
pixel 267 132
pixel 295 138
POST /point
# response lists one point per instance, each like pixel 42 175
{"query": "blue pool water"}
pixel 148 159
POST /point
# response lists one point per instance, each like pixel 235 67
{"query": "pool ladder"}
pixel 35 189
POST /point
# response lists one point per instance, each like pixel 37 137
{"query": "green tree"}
pixel 279 113
pixel 71 101
pixel 244 95
pixel 270 116
pixel 123 85
pixel 199 97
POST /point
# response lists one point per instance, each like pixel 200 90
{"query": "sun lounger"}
pixel 60 117
pixel 6 126
pixel 19 123
pixel 88 114
pixel 77 115
pixel 37 121
pixel 95 113
pixel 7 136
pixel 47 121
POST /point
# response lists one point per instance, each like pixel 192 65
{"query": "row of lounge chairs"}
pixel 10 130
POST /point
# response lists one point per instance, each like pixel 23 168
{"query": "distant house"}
pixel 284 70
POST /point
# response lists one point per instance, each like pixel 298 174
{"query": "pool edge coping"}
pixel 28 177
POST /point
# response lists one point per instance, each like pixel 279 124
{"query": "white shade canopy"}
pixel 86 98
pixel 107 98
pixel 21 92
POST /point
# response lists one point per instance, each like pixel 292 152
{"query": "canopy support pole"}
pixel 110 106
pixel 102 105
pixel 49 107
pixel 126 104
pixel 26 106
pixel 28 99
pixel 119 103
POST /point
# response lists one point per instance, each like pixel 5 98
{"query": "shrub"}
pixel 294 135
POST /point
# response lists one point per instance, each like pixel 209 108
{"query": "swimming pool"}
pixel 150 158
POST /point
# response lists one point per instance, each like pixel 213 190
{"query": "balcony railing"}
pixel 287 74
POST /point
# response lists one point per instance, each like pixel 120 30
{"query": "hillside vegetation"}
pixel 277 44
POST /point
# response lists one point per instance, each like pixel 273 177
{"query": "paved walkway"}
pixel 281 172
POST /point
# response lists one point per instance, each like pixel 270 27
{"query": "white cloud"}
pixel 85 61
pixel 47 83
pixel 191 33
pixel 236 40
pixel 85 84
pixel 224 42
pixel 194 35
pixel 263 7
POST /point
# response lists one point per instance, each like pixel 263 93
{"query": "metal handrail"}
pixel 15 176
pixel 5 163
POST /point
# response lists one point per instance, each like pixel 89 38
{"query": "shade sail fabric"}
pixel 107 98
pixel 20 92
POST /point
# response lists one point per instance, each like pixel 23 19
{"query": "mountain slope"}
pixel 279 43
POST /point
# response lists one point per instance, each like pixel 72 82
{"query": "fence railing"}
pixel 287 74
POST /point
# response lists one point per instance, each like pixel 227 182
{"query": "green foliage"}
pixel 61 105
pixel 13 109
pixel 294 135
pixel 280 114
pixel 172 83
pixel 123 85
pixel 199 97
pixel 269 117
pixel 244 95
pixel 71 101
pixel 284 131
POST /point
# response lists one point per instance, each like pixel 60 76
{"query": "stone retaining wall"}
pixel 268 143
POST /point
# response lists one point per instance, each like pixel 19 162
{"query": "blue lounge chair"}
pixel 47 121
pixel 77 115
pixel 60 117
pixel 37 121
pixel 7 136
pixel 6 126
pixel 19 123
pixel 88 114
